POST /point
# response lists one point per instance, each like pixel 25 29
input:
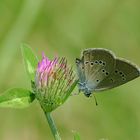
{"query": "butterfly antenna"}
pixel 95 100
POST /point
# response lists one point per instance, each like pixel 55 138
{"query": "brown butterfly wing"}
pixel 123 73
pixel 98 64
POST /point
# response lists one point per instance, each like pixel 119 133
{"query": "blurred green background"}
pixel 65 28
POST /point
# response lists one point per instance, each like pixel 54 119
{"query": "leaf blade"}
pixel 16 98
pixel 30 61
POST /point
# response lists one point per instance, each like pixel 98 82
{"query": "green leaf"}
pixel 16 98
pixel 76 136
pixel 70 90
pixel 30 61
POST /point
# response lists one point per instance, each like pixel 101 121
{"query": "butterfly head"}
pixel 83 88
pixel 87 95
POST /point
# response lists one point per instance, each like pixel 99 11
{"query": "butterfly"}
pixel 99 69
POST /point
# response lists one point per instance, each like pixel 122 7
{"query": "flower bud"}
pixel 54 82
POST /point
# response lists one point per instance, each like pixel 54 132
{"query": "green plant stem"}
pixel 52 126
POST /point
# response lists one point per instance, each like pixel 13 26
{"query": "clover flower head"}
pixel 54 82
